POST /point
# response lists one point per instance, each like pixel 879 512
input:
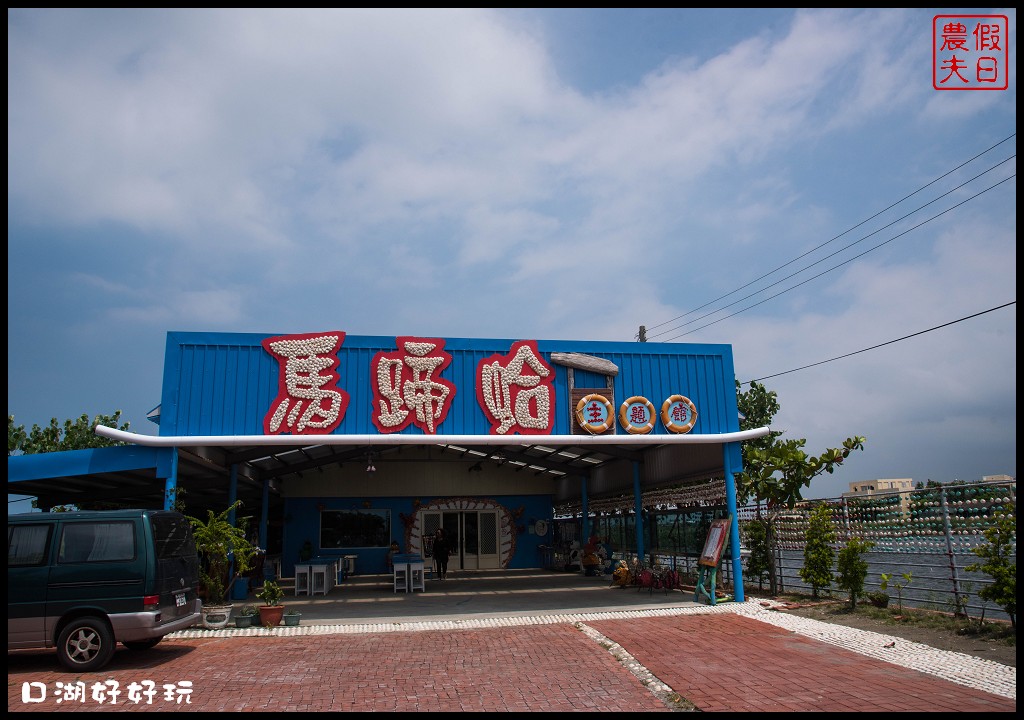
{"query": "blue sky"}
pixel 528 174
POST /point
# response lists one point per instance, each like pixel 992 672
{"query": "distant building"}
pixel 872 487
pixel 903 486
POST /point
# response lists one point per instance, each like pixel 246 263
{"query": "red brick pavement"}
pixel 731 663
pixel 720 662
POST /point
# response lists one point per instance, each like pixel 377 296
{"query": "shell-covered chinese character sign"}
pixel 516 391
pixel 308 400
pixel 407 387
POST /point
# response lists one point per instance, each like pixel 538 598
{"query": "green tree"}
pixel 853 568
pixel 760 559
pixel 999 562
pixel 224 550
pixel 72 435
pixel 818 553
pixel 888 579
pixel 776 471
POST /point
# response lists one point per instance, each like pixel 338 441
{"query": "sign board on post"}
pixel 714 546
pixel 718 536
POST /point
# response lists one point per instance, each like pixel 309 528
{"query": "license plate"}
pixel 179 599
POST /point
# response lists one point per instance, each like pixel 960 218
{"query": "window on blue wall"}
pixel 355 528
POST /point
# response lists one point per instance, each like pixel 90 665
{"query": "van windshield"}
pixel 172 535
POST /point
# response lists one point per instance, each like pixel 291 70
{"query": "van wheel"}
pixel 142 644
pixel 85 644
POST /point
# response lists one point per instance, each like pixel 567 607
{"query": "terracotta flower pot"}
pixel 270 615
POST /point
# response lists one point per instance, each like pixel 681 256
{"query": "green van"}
pixel 84 581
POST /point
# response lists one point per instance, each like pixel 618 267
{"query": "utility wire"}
pixel 890 342
pixel 771 272
pixel 835 267
pixel 817 262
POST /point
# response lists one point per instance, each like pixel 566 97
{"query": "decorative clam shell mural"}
pixel 506 523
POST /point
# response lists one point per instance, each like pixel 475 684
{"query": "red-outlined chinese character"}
pixel 308 400
pixel 987 69
pixel 516 391
pixel 954 65
pixel 407 388
pixel 955 39
pixel 986 36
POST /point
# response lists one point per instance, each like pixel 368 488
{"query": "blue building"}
pixel 339 445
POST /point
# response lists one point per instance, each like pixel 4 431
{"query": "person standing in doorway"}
pixel 441 552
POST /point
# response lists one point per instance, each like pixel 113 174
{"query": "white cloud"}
pixel 264 169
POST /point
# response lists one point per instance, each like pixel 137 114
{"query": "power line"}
pixel 816 262
pixel 890 342
pixel 834 267
pixel 880 212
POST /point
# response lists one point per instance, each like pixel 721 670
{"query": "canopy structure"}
pixel 137 473
pixel 295 426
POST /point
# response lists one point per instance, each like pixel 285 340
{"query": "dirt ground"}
pixel 940 635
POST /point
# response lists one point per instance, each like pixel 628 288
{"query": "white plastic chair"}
pixel 302 580
pixel 416 577
pixel 401 577
pixel 319 582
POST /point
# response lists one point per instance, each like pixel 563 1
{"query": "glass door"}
pixel 472 535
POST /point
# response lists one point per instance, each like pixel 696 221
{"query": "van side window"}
pixel 97 542
pixel 172 535
pixel 27 545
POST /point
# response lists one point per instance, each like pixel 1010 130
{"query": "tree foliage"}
pixel 818 553
pixel 853 568
pixel 999 563
pixel 221 545
pixel 76 434
pixel 759 561
pixel 776 471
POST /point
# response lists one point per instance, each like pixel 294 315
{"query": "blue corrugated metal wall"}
pixel 224 383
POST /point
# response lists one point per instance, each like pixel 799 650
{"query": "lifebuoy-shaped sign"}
pixel 594 413
pixel 637 415
pixel 679 414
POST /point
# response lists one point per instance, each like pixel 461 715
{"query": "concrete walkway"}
pixel 524 641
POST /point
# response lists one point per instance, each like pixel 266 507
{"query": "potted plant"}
pixel 271 611
pixel 291 617
pixel 225 554
pixel 246 617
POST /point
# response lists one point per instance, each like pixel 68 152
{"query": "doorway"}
pixel 473 535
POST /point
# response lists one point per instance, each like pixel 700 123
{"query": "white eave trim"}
pixel 400 439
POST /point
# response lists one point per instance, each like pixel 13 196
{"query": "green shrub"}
pixel 818 553
pixel 853 568
pixel 996 554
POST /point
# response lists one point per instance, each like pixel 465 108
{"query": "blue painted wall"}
pixel 224 383
pixel 302 523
